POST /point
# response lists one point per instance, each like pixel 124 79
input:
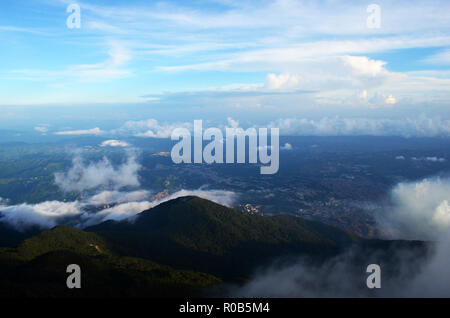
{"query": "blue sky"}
pixel 259 62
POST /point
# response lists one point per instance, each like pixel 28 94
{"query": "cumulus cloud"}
pixel 282 81
pixel 82 176
pixel 151 128
pixel 337 126
pixel 287 146
pixel 114 143
pixel 361 65
pixel 420 210
pixel 94 131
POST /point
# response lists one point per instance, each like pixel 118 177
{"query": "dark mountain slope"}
pixel 10 237
pixel 37 268
pixel 194 233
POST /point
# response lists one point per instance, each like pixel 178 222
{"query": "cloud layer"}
pixel 337 126
pixel 103 206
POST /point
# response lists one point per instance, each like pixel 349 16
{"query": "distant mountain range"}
pixel 201 244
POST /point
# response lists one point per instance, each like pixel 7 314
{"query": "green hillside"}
pixel 200 244
pixel 37 268
pixel 198 234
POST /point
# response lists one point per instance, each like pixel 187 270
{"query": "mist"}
pixel 414 211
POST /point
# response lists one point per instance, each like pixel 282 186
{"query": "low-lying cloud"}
pixel 42 215
pixel 107 197
pixel 83 176
pixel 103 206
pixel 223 197
pixel 416 210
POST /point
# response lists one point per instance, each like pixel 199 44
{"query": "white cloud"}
pixel 227 198
pixel 181 37
pixel 41 129
pixel 114 143
pixel 133 203
pixel 431 159
pixel 441 58
pixel 111 68
pixel 364 95
pixel 408 127
pixel 294 57
pixel 282 81
pixel 420 210
pixel 44 215
pixel 435 159
pixel 82 176
pixel 107 197
pixel 390 100
pixel 94 131
pixel 287 146
pixel 123 206
pixel 119 212
pixel 290 18
pixel 150 128
pixel 361 65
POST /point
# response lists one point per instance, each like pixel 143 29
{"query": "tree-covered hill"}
pixel 183 247
pixel 198 234
pixel 37 268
